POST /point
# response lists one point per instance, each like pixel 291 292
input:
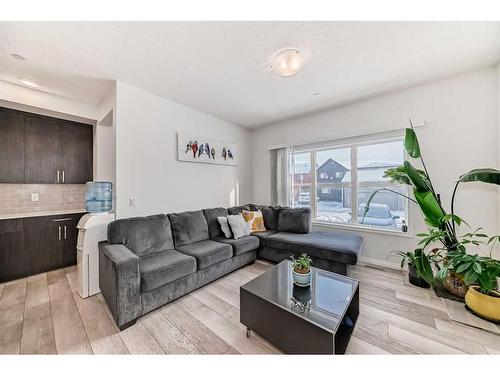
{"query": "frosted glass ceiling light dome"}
pixel 288 62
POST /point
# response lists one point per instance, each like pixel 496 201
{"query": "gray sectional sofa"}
pixel 149 261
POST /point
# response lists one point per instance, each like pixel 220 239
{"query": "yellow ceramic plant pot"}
pixel 483 305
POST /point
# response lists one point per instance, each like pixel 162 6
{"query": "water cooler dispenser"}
pixel 92 228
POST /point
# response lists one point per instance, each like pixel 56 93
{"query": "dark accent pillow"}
pixel 270 215
pixel 211 215
pixel 188 227
pixel 237 210
pixel 254 207
pixel 142 235
pixel 294 220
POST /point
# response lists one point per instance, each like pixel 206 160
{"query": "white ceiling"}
pixel 222 68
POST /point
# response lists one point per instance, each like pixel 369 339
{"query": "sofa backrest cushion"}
pixel 188 227
pixel 294 220
pixel 142 235
pixel 211 215
pixel 270 214
pixel 237 210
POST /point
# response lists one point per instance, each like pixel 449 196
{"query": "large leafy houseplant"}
pixel 441 224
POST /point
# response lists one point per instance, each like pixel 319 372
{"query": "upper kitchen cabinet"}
pixel 41 150
pixel 11 146
pixel 76 148
pixel 37 149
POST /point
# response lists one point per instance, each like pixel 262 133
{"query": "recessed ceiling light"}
pixel 28 82
pixel 18 57
pixel 288 62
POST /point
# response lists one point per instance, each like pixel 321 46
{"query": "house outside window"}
pixel 344 177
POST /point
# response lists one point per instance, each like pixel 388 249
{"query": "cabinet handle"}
pixel 63 177
pixel 65 232
pixel 58 176
pixel 59 233
pixel 64 219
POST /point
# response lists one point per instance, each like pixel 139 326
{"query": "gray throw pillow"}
pixel 238 225
pixel 224 226
pixel 294 220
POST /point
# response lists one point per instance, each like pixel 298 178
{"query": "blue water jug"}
pixel 99 197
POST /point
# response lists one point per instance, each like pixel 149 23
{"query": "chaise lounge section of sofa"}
pixel 149 261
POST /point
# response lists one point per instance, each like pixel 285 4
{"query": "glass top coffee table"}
pixel 318 319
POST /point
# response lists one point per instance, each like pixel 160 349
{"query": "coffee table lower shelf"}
pixel 291 333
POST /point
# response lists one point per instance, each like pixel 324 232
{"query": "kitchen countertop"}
pixel 20 215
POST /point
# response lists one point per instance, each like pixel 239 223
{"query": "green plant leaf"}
pixel 477 267
pixel 470 277
pixel 411 143
pixel 430 208
pixel 463 267
pixel 418 181
pixel 441 275
pixel 487 175
pixel 424 268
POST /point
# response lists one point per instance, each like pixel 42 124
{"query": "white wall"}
pixel 105 139
pixel 146 157
pixel 461 134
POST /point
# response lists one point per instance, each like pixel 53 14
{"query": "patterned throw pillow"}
pixel 255 220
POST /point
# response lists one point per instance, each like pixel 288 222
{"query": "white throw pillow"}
pixel 225 226
pixel 238 226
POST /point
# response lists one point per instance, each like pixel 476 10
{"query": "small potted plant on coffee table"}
pixel 301 270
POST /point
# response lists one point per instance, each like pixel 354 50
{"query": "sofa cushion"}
pixel 270 214
pixel 207 252
pixel 142 235
pixel 262 236
pixel 162 268
pixel 241 245
pixel 294 220
pixel 337 247
pixel 211 215
pixel 188 227
pixel 237 210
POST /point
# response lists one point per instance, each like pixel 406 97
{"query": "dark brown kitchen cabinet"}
pixel 11 146
pixel 37 244
pixel 44 150
pixel 13 259
pixel 76 149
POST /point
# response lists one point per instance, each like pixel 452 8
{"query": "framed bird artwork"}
pixel 199 149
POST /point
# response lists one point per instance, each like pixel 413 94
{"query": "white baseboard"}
pixel 378 263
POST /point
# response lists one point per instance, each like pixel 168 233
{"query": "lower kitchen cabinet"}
pixel 37 244
pixel 13 259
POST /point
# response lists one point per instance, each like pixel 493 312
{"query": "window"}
pixel 359 171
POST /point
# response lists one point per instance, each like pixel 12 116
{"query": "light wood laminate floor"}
pixel 43 314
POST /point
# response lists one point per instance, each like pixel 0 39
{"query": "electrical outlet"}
pixel 35 197
pixel 132 202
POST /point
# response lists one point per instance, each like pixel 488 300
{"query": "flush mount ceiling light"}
pixel 28 82
pixel 288 62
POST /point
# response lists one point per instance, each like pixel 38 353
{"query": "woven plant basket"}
pixel 454 283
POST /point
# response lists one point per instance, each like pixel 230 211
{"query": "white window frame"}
pixel 353 144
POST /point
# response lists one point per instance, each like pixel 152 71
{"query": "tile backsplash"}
pixel 16 198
